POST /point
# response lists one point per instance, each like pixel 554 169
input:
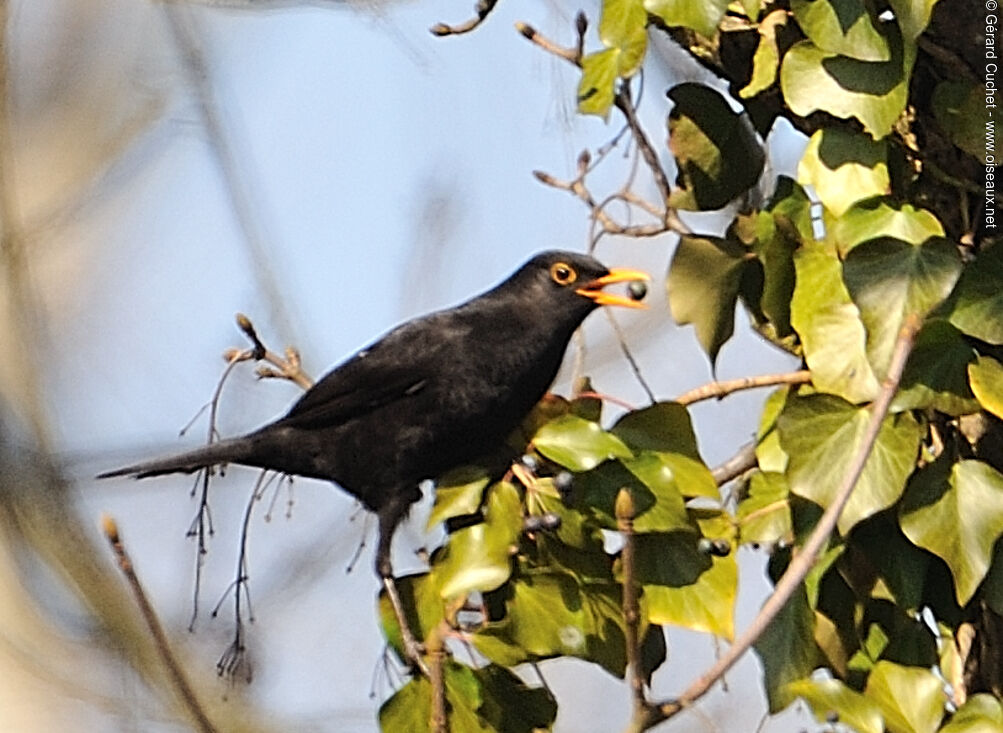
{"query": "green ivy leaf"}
pixel 457 494
pixel 769 454
pixel 550 614
pixel 831 698
pixel 766 60
pixel 913 16
pixel 787 650
pixel 822 433
pixel 685 587
pixel 623 26
pixel 981 713
pixel 880 217
pixel 959 107
pixel 665 427
pixel 578 444
pixel 702 16
pixel 658 502
pixel 936 374
pixel 423 608
pixel 479 557
pixel 977 303
pixel 873 92
pixel 716 151
pixel 703 284
pixel 911 698
pixel 485 700
pixel 764 515
pixel 986 379
pixel 843 27
pixel 596 88
pixel 830 328
pixel 889 280
pixel 844 168
pixel 937 515
pixel 780 230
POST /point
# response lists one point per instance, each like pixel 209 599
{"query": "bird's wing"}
pixel 379 375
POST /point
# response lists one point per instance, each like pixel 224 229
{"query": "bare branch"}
pixel 482 10
pixel 722 389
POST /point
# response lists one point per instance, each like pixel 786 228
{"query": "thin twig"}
pixel 721 389
pixel 624 508
pixel 439 722
pixel 174 671
pixel 735 466
pixel 482 10
pixel 805 558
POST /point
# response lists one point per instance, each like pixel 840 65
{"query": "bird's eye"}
pixel 563 273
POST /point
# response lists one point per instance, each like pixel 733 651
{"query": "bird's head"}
pixel 584 279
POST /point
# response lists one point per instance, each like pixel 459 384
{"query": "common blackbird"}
pixel 433 394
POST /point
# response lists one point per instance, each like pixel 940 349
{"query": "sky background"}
pixel 353 171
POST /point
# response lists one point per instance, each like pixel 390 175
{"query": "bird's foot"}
pixel 414 652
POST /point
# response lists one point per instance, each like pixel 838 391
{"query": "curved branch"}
pixel 482 10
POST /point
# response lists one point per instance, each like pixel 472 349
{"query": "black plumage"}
pixel 432 394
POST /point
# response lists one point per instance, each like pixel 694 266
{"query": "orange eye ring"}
pixel 562 273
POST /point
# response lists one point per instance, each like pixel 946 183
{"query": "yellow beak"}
pixel 594 289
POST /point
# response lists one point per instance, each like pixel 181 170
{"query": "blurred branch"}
pixel 181 685
pixel 722 389
pixel 184 31
pixel 624 508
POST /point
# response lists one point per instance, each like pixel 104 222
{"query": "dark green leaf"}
pixel 821 434
pixel 841 26
pixel 959 107
pixel 659 505
pixel 716 151
pixel 664 426
pixel 702 17
pixel 487 700
pixel 830 328
pixel 844 167
pixel 578 444
pixel 890 280
pixel 976 306
pixel 937 515
pixel 911 698
pixel 703 283
pixel 936 374
pixel 787 650
pixel 685 587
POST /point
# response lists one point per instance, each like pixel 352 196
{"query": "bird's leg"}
pixel 389 518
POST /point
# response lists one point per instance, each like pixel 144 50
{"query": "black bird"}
pixel 433 394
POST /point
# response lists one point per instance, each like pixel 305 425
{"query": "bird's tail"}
pixel 235 450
